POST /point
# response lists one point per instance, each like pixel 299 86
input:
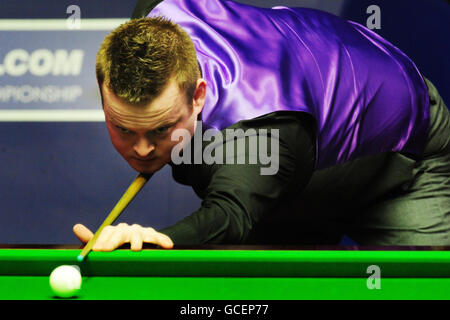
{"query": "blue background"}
pixel 53 175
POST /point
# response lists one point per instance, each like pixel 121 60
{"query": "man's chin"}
pixel 146 168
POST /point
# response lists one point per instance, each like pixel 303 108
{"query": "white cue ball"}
pixel 65 281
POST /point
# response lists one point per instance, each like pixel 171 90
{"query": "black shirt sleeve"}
pixel 236 196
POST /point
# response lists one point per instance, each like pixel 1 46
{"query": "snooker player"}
pixel 363 139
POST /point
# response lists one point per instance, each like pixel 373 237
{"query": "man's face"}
pixel 142 134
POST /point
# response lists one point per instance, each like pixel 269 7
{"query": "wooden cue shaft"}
pixel 131 192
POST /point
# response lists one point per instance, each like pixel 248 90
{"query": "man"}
pixel 362 139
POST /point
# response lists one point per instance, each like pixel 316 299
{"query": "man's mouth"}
pixel 144 160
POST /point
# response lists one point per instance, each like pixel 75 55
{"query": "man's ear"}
pixel 199 95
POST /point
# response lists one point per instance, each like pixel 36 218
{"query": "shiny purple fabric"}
pixel 367 96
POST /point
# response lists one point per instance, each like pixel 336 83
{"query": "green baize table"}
pixel 232 273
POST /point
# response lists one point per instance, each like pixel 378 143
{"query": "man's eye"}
pixel 161 130
pixel 123 130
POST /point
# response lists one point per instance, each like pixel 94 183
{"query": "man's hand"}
pixel 113 237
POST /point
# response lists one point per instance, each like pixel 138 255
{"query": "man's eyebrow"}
pixel 165 123
pixel 168 123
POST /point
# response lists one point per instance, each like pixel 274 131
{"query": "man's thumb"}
pixel 82 233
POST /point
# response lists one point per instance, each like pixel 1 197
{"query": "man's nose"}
pixel 144 147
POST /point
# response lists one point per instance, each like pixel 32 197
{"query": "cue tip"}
pixel 80 258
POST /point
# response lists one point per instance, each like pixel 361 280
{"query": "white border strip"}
pixel 56 115
pixel 58 24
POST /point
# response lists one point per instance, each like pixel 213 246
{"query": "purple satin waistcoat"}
pixel 366 96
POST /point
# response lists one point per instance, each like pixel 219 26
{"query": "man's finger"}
pixel 118 238
pixel 103 242
pixel 136 241
pixel 82 233
pixel 164 241
pixel 153 236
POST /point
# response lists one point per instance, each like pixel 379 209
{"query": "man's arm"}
pixel 237 196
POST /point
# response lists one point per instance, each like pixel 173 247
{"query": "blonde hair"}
pixel 137 60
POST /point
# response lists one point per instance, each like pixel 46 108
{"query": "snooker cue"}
pixel 123 202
